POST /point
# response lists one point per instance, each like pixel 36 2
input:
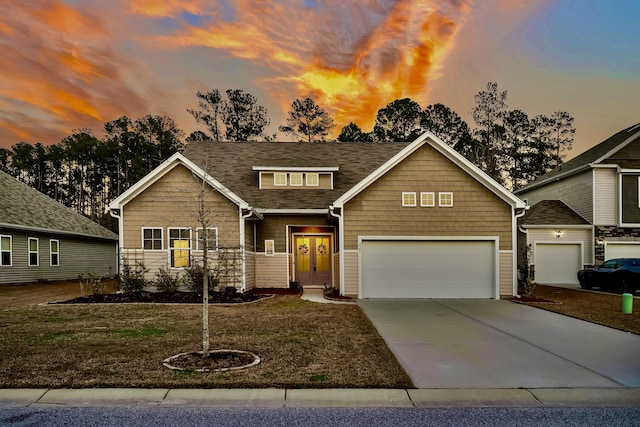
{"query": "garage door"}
pixel 557 263
pixel 428 269
pixel 622 250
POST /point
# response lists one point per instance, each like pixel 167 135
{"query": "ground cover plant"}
pixel 301 344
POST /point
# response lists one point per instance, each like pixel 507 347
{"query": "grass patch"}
pixel 141 332
pixel 318 378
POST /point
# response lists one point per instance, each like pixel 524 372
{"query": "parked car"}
pixel 617 275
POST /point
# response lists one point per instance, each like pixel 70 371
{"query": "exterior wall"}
pixel 606 197
pixel 76 256
pixel 612 234
pixel 250 272
pixel 271 271
pixel 505 273
pixel 573 235
pixel 336 270
pixel 378 209
pixel 274 227
pixel 351 272
pixel 575 191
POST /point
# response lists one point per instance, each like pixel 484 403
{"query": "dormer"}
pixel 288 177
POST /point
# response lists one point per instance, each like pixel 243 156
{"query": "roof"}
pixel 23 207
pixel 552 212
pixel 584 161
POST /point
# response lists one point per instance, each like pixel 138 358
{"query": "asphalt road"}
pixel 201 416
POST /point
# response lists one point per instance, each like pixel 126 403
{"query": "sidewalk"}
pixel 324 398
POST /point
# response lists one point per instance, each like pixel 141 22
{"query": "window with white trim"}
pixel 312 179
pixel 408 199
pixel 179 247
pixel 279 179
pixel 152 239
pixel 427 199
pixel 269 248
pixel 295 179
pixel 5 251
pixel 445 200
pixel 212 239
pixel 33 252
pixel 54 253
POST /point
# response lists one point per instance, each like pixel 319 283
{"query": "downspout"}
pixel 515 247
pixel 242 238
pixel 120 240
pixel 340 244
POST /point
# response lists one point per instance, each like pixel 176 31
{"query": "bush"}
pixel 193 275
pixel 132 277
pixel 165 281
pixel 94 282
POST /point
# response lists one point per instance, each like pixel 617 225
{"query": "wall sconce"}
pixel 600 242
pixel 558 234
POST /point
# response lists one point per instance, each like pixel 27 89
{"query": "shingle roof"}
pixel 231 164
pixel 22 206
pixel 552 212
pixel 586 158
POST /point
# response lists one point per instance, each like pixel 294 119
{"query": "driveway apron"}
pixel 472 343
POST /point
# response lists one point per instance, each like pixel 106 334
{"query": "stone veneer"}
pixel 612 234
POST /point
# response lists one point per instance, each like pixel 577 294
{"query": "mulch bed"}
pixel 217 360
pixel 164 298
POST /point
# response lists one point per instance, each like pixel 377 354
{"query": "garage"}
pixel 557 263
pixel 622 250
pixel 464 268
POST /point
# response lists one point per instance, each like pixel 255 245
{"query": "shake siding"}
pixel 76 256
pixel 351 273
pixel 575 191
pixel 274 227
pixel 378 209
pixel 568 235
pixel 336 270
pixel 172 202
pixel 606 195
pixel 506 273
pixel 271 271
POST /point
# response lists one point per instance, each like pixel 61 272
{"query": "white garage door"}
pixel 622 250
pixel 428 269
pixel 557 263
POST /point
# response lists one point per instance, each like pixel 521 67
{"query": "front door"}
pixel 313 260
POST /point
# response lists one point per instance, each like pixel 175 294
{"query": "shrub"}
pixel 165 281
pixel 94 282
pixel 193 275
pixel 132 277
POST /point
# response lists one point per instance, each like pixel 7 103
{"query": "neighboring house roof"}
pixel 25 208
pixel 584 161
pixel 552 212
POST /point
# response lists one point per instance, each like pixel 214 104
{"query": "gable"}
pixel 628 157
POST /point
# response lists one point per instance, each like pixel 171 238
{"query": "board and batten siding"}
pixel 271 271
pixel 606 196
pixel 172 202
pixel 569 235
pixel 575 191
pixel 378 210
pixel 77 256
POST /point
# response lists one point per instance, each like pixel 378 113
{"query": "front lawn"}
pixel 301 344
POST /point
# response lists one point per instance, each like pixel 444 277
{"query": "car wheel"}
pixel 585 285
pixel 623 286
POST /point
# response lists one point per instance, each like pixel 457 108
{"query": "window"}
pixel 179 247
pixel 212 239
pixel 313 179
pixel 5 251
pixel 408 199
pixel 279 179
pixel 33 252
pixel 152 239
pixel 427 199
pixel 445 200
pixel 295 179
pixel 54 253
pixel 269 247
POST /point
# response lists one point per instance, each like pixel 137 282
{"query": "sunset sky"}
pixel 69 64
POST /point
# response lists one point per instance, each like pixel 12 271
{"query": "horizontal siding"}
pixel 351 273
pixel 271 271
pixel 250 272
pixel 378 209
pixel 505 273
pixel 606 197
pixel 172 202
pixel 336 270
pixel 575 191
pixel 152 261
pixel 76 257
pixel 568 235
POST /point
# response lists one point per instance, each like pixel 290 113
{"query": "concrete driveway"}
pixel 499 344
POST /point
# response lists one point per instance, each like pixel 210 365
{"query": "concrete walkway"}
pixel 317 295
pixel 327 398
pixel 493 344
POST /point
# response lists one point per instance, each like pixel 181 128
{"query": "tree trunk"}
pixel 205 296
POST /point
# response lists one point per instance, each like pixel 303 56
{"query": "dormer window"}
pixel 313 179
pixel 300 177
pixel 295 179
pixel 279 179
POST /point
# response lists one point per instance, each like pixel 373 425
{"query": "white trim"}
pixel 433 199
pixel 29 252
pixel 407 203
pixel 448 152
pixel 445 193
pixel 10 250
pixel 152 239
pixel 293 211
pixel 296 174
pixel 554 226
pixel 296 169
pixel 306 179
pixel 494 239
pixel 170 248
pixel 617 242
pixel 275 180
pixel 269 243
pixel 51 253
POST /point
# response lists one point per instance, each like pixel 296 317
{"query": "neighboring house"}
pixel 41 239
pixel 376 220
pixel 584 211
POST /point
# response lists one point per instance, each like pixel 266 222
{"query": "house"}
pixel 375 220
pixel 584 211
pixel 41 239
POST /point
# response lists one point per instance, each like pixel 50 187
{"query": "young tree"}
pixel 399 121
pixel 307 121
pixel 353 133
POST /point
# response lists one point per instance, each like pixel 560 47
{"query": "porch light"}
pixel 558 234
